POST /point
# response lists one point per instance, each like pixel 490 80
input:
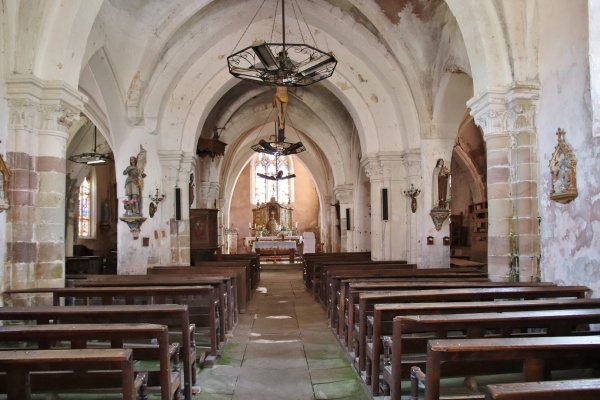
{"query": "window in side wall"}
pixel 85 226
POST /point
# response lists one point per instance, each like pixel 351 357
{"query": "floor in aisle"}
pixel 282 348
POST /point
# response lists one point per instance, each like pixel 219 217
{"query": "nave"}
pixel 281 348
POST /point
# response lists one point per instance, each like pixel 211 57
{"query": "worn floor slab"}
pixel 282 348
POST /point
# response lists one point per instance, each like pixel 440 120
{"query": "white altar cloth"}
pixel 274 245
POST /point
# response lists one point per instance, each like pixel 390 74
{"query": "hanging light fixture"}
pixel 278 147
pixel 279 175
pixel 282 64
pixel 92 158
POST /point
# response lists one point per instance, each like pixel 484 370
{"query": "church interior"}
pixel 141 134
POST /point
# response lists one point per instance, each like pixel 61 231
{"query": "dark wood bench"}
pixel 535 357
pixel 381 323
pixel 229 267
pixel 240 273
pixel 409 350
pixel 322 267
pixel 81 336
pixel 202 302
pixel 172 315
pixel 92 368
pixel 580 389
pixel 450 282
pixel 367 301
pixel 254 264
pixel 225 286
pixel 340 281
pixel 308 260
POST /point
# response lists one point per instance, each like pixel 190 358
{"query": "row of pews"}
pixel 137 334
pixel 451 333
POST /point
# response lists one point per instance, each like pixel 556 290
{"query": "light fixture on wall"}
pixel 155 201
pixel 412 193
pixel 92 158
pixel 282 64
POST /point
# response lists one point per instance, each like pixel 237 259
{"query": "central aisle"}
pixel 281 348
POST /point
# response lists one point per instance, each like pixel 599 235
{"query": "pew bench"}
pixel 580 389
pixel 179 315
pixel 411 333
pixel 81 336
pixel 380 325
pixel 367 301
pixel 536 357
pixel 449 282
pixel 223 286
pixel 240 273
pixel 308 260
pixel 322 268
pixel 89 369
pixel 339 288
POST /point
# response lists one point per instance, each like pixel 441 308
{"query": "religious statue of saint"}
pixel 134 183
pixel 272 226
pixel 440 184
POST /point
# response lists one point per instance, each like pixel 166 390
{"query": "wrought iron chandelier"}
pixel 282 64
pixel 279 147
pixel 92 158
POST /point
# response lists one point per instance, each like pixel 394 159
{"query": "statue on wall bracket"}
pixel 440 189
pixel 563 170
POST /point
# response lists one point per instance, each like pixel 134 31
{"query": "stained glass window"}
pixel 85 208
pixel 264 189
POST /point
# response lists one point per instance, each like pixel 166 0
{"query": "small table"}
pixel 276 247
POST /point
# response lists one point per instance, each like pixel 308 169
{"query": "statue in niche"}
pixel 440 184
pixel 192 189
pixel 562 168
pixel 134 184
pixel 272 226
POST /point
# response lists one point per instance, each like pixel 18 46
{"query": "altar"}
pixel 275 247
pixel 250 240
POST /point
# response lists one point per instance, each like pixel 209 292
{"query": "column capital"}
pixel 344 193
pixel 52 105
pixel 500 111
pixel 383 165
pixel 412 162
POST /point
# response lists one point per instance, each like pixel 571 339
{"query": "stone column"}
pixel 388 238
pixel 344 195
pixel 40 116
pixel 507 118
pixel 412 164
pixel 179 232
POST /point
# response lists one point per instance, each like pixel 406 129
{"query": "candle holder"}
pixel 154 202
pixel 412 193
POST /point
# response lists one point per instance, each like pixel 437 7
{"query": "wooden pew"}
pixel 367 301
pixel 222 284
pixel 536 355
pixel 322 267
pixel 204 316
pixel 239 272
pixel 309 258
pixel 323 270
pixel 339 286
pixel 82 336
pixel 171 315
pixel 17 365
pixel 354 289
pixel 239 266
pixel 476 325
pixel 254 264
pixel 381 323
pixel 580 389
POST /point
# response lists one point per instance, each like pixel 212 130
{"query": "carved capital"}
pixel 22 112
pixel 344 193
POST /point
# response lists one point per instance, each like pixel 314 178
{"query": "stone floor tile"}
pixel 282 348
